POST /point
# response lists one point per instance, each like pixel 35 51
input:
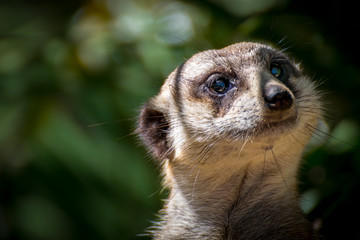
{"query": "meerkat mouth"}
pixel 271 127
pixel 265 129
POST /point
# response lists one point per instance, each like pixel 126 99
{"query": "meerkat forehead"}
pixel 236 57
pixel 241 91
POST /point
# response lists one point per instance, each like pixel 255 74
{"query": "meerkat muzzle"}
pixel 278 98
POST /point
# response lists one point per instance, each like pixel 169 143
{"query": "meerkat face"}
pixel 246 90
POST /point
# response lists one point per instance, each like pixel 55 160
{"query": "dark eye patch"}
pixel 283 68
pixel 285 65
pixel 219 84
pixel 278 71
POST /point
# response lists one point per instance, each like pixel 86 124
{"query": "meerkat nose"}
pixel 277 97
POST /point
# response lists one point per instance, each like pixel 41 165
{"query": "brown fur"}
pixel 231 160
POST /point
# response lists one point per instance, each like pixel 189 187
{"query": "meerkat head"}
pixel 246 91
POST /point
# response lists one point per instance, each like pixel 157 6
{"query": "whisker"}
pixel 193 189
pixel 296 139
pixel 242 147
pixel 200 159
pixel 280 170
pixel 317 134
pixel 263 172
pixel 111 122
pixel 315 129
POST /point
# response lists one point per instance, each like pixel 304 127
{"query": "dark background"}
pixel 73 75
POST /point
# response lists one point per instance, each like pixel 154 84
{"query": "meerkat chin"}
pixel 228 128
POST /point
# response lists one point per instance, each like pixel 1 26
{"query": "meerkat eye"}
pixel 220 85
pixel 277 71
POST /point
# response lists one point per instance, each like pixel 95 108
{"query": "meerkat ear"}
pixel 153 129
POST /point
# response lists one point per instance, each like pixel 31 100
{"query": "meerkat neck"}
pixel 248 200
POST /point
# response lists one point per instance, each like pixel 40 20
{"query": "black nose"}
pixel 278 98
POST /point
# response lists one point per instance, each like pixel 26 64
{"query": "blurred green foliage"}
pixel 73 75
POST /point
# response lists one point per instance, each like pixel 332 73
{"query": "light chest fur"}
pixel 228 128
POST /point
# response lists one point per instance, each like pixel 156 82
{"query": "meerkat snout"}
pixel 277 97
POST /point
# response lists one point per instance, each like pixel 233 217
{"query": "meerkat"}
pixel 228 129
